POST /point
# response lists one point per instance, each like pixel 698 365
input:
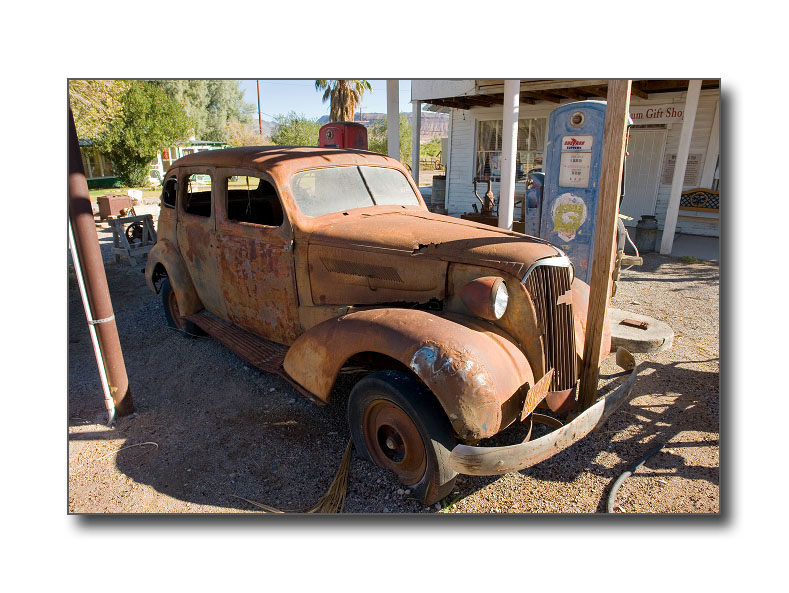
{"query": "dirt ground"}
pixel 210 431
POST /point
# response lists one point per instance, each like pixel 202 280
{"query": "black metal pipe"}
pixel 625 475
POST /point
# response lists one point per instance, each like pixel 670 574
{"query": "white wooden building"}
pixel 657 108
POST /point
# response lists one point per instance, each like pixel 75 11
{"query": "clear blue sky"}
pixel 282 96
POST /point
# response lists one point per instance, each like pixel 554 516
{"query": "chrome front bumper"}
pixel 491 461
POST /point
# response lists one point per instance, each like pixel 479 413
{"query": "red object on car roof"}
pixel 343 134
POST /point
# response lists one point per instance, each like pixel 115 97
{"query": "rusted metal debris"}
pixel 385 284
pixel 488 202
pixel 634 323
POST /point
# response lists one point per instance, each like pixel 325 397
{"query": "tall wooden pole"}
pixel 260 118
pixel 614 140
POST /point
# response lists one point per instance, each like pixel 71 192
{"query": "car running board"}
pixel 266 355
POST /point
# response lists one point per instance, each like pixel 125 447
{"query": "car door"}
pixel 255 253
pixel 197 235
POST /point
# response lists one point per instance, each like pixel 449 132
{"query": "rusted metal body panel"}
pixel 537 393
pixel 197 245
pixel 258 276
pixel 345 275
pixel 476 374
pixel 406 231
pixel 166 254
pixel 258 284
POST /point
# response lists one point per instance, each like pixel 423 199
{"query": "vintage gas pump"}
pixel 574 151
pixel 343 134
pixel 531 212
pixel 572 174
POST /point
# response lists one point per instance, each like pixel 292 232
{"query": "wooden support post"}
pixel 509 134
pixel 614 139
pixel 416 130
pixel 688 121
pixel 393 118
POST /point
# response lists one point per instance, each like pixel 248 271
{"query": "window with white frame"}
pixel 529 154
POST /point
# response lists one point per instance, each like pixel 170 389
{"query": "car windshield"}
pixel 336 189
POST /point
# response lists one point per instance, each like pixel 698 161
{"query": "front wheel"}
pixel 397 424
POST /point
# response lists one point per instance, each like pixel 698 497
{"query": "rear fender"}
pixel 165 253
pixel 476 372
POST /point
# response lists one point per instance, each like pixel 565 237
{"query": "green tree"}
pixel 151 120
pixel 345 96
pixel 95 103
pixel 244 134
pixel 431 148
pixel 295 130
pixel 210 105
pixel 377 138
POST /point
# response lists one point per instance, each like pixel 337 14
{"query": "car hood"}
pixel 423 234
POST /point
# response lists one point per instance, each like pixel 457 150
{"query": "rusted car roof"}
pixel 285 158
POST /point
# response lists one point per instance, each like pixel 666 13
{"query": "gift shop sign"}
pixel 657 114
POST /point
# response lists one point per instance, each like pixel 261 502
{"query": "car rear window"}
pixel 323 191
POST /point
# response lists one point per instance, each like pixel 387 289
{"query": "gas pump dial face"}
pixel 574 169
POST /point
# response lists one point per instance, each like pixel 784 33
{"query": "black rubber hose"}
pixel 624 476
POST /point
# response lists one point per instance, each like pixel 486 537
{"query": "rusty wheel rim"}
pixel 175 312
pixel 393 441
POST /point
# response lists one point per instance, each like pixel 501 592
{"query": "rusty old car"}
pixel 305 260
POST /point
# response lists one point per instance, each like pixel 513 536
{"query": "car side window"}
pixel 253 200
pixel 197 197
pixel 169 192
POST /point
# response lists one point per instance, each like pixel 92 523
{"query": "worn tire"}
pixel 172 315
pixel 397 424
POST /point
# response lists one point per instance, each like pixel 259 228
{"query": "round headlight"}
pixel 486 297
pixel 500 299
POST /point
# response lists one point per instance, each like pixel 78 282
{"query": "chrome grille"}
pixel 546 284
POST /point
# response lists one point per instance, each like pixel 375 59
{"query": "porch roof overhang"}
pixel 487 93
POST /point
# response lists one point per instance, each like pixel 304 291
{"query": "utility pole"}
pixel 260 118
pixel 614 140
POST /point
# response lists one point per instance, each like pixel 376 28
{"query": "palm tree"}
pixel 345 96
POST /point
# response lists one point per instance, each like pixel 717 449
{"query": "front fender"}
pixel 165 253
pixel 475 371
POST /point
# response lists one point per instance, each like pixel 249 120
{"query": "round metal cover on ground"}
pixel 657 335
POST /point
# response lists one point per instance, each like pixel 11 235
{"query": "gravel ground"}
pixel 211 431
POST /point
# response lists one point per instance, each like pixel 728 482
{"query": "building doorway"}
pixel 642 172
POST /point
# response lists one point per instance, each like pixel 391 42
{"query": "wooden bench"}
pixel 700 203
